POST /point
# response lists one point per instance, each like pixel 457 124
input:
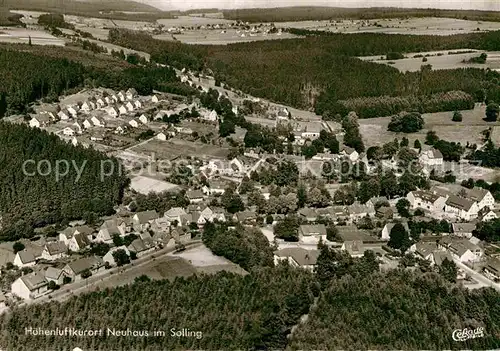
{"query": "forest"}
pixel 313 13
pixel 399 310
pixel 32 196
pixel 233 312
pixel 322 72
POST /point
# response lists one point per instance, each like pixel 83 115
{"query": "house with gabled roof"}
pixel 175 214
pixel 481 196
pixel 131 94
pixel 135 123
pixel 386 231
pixel 122 95
pixel 143 119
pixel 55 275
pixel 78 242
pixel 427 200
pixel 75 268
pixel 73 110
pixel 154 99
pixel 112 111
pixel 463 230
pixel 100 103
pixel 461 208
pixel 54 251
pixel 486 214
pixel 129 106
pixel 137 104
pixel 24 258
pixel 492 269
pixel 308 214
pixel 69 232
pixel 355 248
pixel 312 230
pixel 39 121
pixel 195 196
pixel 64 115
pixel 98 122
pixel 30 286
pixel 142 220
pixel 142 246
pixel 245 217
pixel 297 257
pixel 122 110
pixel 86 107
pixel 431 157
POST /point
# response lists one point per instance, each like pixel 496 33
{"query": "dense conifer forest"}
pixel 321 71
pixel 29 199
pixel 402 311
pixel 233 312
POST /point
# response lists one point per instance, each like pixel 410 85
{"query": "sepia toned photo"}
pixel 218 175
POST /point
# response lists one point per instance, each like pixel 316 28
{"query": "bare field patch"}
pixel 374 130
pixel 23 36
pixel 439 60
pixel 223 37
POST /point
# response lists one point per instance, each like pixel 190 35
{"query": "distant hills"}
pixel 73 6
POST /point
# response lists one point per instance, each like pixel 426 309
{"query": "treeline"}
pixel 399 310
pixel 54 20
pixel 313 13
pixel 232 312
pixel 247 247
pixel 31 193
pixel 8 19
pixel 381 106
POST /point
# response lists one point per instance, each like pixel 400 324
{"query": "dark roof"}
pixel 313 229
pixel 426 195
pixel 146 216
pixel 82 240
pixel 26 256
pixel 82 264
pixel 139 245
pixel 34 280
pixel 194 194
pixel 459 202
pixel 302 256
pixel 476 194
pixel 55 248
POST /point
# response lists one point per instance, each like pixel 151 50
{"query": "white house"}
pixel 54 251
pixel 174 214
pixel 135 123
pixel 130 107
pixel 122 96
pixel 87 124
pixel 69 232
pixel 482 196
pixel 86 107
pixel 431 157
pixel 426 200
pixel 161 136
pixel 464 252
pixel 73 110
pixel 131 94
pixel 154 99
pixel 68 131
pixel 354 248
pixel 24 258
pixel 142 220
pixel 78 242
pixel 123 110
pixel 460 208
pixel 210 116
pixel 109 100
pixel 39 121
pixel 143 119
pixel 120 129
pixel 297 257
pixel 112 111
pixel 109 255
pixel 30 286
pixel 78 127
pixel 100 103
pixel 64 115
pixel 137 104
pixel 463 229
pixel 55 275
pixel 194 196
pixel 350 153
pixel 98 122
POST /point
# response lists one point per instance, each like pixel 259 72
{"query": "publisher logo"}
pixel 466 334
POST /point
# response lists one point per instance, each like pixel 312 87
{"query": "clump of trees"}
pixel 457 116
pixel 406 123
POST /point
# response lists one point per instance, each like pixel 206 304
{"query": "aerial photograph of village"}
pixel 247 175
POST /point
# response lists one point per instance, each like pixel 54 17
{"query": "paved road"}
pixel 87 285
pixel 477 276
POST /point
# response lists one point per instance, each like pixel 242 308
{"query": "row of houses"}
pixel 468 205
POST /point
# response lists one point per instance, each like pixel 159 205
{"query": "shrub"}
pixel 457 116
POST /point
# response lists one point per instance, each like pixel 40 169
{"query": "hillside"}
pixel 314 13
pixel 77 6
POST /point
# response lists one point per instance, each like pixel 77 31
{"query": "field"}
pixel 223 37
pixel 413 26
pixel 374 130
pixel 439 60
pixel 22 36
pixel 175 148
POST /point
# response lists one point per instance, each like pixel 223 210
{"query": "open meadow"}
pixel 22 36
pixel 413 26
pixel 374 130
pixel 439 60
